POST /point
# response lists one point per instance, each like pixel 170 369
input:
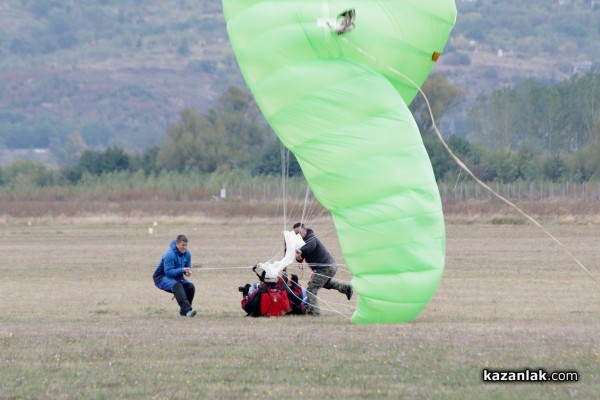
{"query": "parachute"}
pixel 293 241
pixel 333 79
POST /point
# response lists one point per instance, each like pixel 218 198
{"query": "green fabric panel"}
pixel 344 114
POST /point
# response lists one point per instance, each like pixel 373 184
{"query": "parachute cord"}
pixel 330 308
pixel 200 268
pixel 284 174
pixel 467 170
pixel 301 268
pixel 314 273
pixel 457 179
pixel 328 303
pixel 323 265
pixel 305 202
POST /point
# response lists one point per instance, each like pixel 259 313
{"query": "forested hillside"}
pixel 118 72
pixel 497 44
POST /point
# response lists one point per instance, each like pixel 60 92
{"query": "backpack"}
pixel 267 300
pixel 274 302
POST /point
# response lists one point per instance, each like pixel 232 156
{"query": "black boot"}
pixel 182 299
pixel 349 291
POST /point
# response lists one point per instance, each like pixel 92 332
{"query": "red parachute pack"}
pixel 274 302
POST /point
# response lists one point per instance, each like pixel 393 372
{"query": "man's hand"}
pixel 299 257
pixel 187 271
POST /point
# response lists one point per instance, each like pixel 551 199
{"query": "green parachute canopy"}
pixel 331 79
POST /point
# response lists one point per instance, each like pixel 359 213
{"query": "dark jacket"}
pixel 314 252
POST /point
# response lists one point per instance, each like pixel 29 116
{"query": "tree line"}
pixel 530 132
pixel 555 119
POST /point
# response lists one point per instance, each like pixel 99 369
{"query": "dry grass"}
pixel 80 317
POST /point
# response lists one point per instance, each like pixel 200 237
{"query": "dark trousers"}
pixel 184 294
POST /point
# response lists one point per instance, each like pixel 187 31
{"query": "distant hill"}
pixel 119 71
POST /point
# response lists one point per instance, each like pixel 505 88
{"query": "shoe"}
pixel 349 292
pixel 191 314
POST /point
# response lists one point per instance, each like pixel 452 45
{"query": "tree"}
pixel 146 161
pixel 440 160
pixel 441 94
pixel 505 165
pixel 100 162
pixel 269 162
pixel 26 173
pixel 194 143
pixel 585 165
pixel 246 130
pixel 71 150
pixel 3 177
pixel 230 135
pixel 553 168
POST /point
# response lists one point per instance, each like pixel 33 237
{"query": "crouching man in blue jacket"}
pixel 170 275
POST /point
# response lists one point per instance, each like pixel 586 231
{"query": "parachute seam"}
pixel 385 113
pixel 383 221
pixel 435 239
pixel 318 92
pixel 399 273
pixel 394 302
pixel 341 167
pixel 384 196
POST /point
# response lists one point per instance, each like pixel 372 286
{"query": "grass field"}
pixel 80 317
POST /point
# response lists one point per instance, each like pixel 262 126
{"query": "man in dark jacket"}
pixel 170 273
pixel 323 266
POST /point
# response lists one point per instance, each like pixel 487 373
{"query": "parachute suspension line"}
pixel 463 166
pixel 284 174
pixel 200 268
pixel 300 268
pixel 457 180
pixel 323 265
pixel 328 303
pixel 302 220
pixel 329 307
pixel 285 168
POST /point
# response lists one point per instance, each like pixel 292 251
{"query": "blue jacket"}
pixel 169 270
